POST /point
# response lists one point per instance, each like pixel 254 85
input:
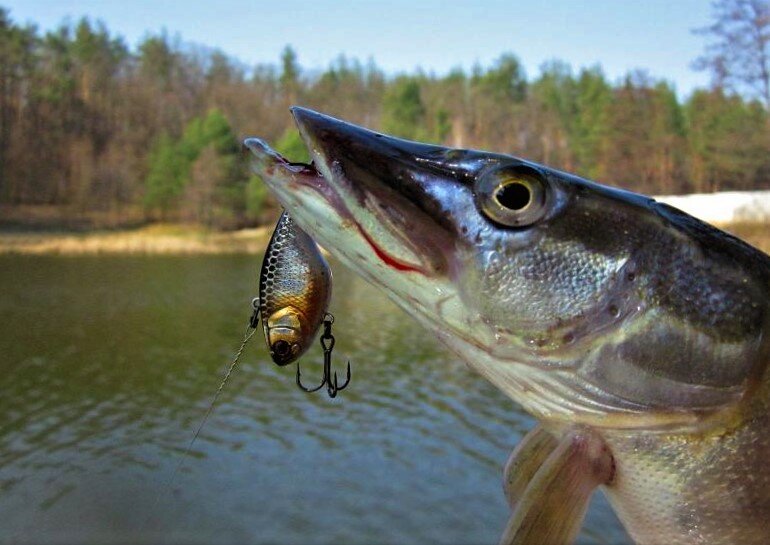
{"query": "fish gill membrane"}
pixel 626 327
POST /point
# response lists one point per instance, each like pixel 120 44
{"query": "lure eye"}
pixel 281 348
pixel 514 197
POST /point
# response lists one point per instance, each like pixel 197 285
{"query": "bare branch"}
pixel 738 53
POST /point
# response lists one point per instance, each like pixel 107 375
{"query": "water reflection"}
pixel 108 366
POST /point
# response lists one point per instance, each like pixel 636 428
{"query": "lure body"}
pixel 295 286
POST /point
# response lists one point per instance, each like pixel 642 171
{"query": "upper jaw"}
pixel 375 203
pixel 330 139
pixel 385 190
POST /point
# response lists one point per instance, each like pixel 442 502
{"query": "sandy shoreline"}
pixel 156 239
pixel 744 214
pixel 179 239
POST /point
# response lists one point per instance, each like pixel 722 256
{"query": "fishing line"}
pixel 250 330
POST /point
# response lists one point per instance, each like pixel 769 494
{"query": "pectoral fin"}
pixel 528 456
pixel 550 511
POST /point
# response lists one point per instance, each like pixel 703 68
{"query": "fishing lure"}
pixel 295 286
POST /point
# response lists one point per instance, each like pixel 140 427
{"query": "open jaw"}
pixel 319 207
pixel 373 230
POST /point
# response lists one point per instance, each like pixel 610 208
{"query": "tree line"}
pixel 91 128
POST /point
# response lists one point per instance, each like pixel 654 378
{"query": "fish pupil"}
pixel 514 196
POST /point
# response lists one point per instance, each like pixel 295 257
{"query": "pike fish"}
pixel 638 336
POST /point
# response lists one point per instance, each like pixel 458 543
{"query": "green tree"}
pixel 497 103
pixel 588 131
pixel 448 98
pixel 256 197
pixel 556 90
pixel 97 57
pixel 644 142
pixel 403 112
pixel 505 80
pixel 158 61
pixel 348 89
pixel 551 114
pixel 291 146
pixel 165 87
pixel 212 180
pixel 728 142
pixel 207 197
pixel 668 135
pixel 442 126
pixel 165 178
pixel 212 129
pixel 289 79
pixel 200 177
pixel 17 71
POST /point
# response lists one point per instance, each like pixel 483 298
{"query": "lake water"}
pixel 108 364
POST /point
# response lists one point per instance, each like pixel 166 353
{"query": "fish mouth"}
pixel 367 199
pixel 289 179
pixel 356 163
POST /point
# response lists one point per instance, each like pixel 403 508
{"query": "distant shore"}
pixel 180 239
pixel 154 239
pixel 745 214
pixel 756 234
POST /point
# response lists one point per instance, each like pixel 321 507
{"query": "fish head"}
pixel 581 302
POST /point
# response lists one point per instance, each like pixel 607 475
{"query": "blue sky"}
pixel 401 35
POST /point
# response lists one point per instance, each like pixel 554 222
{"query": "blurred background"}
pixel 99 130
pixel 131 235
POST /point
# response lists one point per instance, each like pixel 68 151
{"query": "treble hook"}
pixel 327 342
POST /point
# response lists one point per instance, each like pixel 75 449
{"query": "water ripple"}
pixel 109 364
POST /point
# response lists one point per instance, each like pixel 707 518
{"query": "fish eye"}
pixel 514 197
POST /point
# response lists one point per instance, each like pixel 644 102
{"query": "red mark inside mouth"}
pixel 387 258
